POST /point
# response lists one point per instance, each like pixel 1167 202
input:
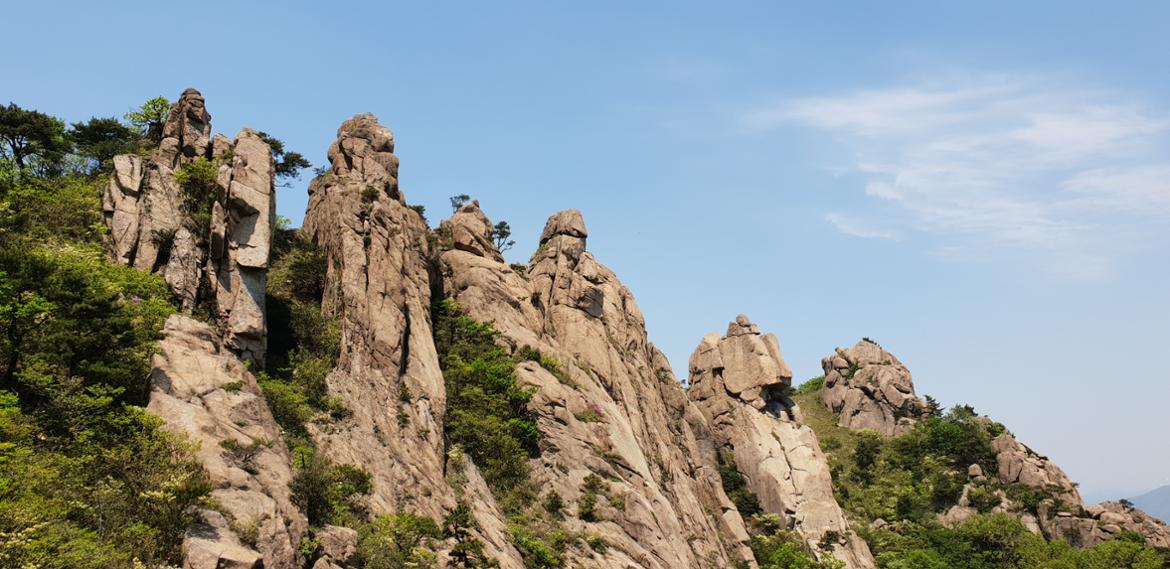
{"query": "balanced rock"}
pixel 870 389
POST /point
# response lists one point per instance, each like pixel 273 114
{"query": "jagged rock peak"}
pixel 186 134
pixel 1019 464
pixel 565 222
pixel 564 234
pixel 365 148
pixel 870 389
pixel 470 230
pixel 220 263
pixel 738 382
pixel 749 365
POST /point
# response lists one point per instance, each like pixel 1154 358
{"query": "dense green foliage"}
pixel 908 480
pixel 487 411
pixel 999 541
pixel 88 479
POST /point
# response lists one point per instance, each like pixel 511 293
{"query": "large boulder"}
pixel 870 389
pixel 739 382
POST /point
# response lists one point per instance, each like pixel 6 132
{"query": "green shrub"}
pixel 735 486
pixel 487 411
pixel 398 541
pixel 329 493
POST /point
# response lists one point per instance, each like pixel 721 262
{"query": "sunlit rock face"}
pixel 738 381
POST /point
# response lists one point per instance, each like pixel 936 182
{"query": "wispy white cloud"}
pixel 999 161
pixel 849 225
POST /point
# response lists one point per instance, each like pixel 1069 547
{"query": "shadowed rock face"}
pixel 616 409
pixel 225 268
pixel 738 382
pixel 870 389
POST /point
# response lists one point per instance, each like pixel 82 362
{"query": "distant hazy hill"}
pixel 1155 502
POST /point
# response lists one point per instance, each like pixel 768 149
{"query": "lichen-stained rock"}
pixel 206 393
pixel 611 407
pixel 870 389
pixel 378 285
pixel 739 381
pixel 149 229
pixel 1018 464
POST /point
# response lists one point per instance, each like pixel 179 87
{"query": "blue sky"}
pixel 985 190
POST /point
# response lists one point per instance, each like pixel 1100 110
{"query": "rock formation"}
pixel 612 407
pixel 214 259
pixel 608 408
pixel 1018 464
pixel 378 285
pixel 206 393
pixel 739 382
pixel 870 389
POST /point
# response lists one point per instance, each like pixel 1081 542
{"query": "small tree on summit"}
pixel 288 164
pixel 150 118
pixel 501 234
pixel 459 201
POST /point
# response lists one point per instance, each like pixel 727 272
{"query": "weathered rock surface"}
pixel 204 392
pixel 149 229
pixel 378 285
pixel 738 381
pixel 1018 464
pixel 615 410
pixel 870 389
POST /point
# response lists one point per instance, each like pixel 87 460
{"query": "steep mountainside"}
pixel 371 391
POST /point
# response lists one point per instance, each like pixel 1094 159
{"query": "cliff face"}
pixel 616 410
pixel 212 250
pixel 617 430
pixel 739 382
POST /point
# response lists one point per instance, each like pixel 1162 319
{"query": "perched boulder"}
pixel 870 389
pixel 739 382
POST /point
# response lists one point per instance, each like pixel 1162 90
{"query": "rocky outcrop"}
pixel 870 389
pixel 378 285
pixel 610 407
pixel 1063 515
pixel 739 382
pixel 1101 523
pixel 204 392
pixel 1018 464
pixel 216 259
